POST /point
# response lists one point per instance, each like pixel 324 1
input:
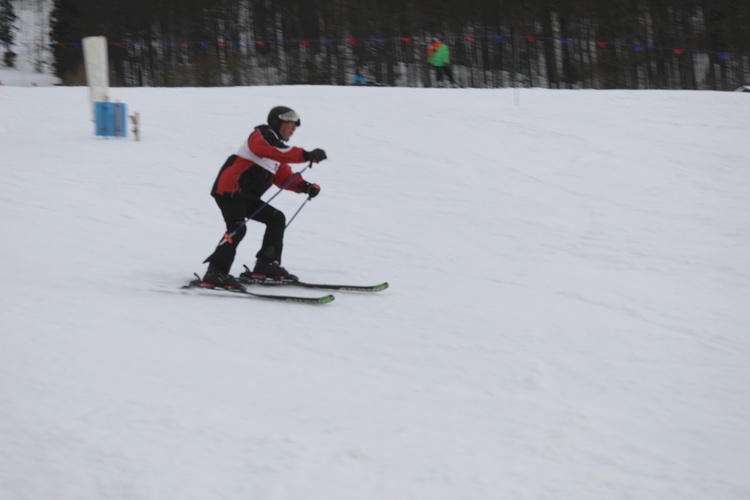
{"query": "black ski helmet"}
pixel 282 114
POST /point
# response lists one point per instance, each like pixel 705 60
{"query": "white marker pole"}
pixel 97 69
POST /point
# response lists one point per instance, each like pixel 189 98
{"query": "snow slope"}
pixel 567 317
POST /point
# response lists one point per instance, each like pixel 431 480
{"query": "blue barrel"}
pixel 111 119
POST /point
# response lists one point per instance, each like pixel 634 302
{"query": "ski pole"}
pixel 298 211
pixel 224 240
pixel 228 236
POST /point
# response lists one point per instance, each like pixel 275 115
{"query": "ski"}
pixel 247 279
pixel 197 284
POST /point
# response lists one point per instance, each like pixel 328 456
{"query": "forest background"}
pixel 633 44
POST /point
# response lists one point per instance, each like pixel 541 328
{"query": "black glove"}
pixel 317 155
pixel 309 189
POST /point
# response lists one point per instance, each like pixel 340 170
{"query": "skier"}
pixel 438 56
pixel 359 78
pixel 260 161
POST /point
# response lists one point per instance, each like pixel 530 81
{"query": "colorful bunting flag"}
pixel 723 56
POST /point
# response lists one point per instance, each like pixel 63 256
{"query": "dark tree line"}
pixel 8 20
pixel 638 44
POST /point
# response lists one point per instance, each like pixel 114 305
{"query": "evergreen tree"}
pixel 67 23
pixel 7 26
pixel 547 43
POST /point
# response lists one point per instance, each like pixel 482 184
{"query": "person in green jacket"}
pixel 439 57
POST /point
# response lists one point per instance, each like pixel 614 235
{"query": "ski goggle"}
pixel 290 116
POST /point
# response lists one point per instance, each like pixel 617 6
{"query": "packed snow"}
pixel 567 316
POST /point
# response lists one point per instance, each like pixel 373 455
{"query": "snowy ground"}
pixel 567 318
pixel 30 78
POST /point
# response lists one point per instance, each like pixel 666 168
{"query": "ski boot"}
pixel 268 269
pixel 218 278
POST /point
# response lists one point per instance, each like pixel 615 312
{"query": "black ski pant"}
pixel 235 209
pixel 440 70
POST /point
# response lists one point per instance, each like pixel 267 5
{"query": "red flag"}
pixel 678 51
pixel 469 38
pixel 260 44
pixel 352 41
pixel 406 40
pixel 602 44
pixel 305 43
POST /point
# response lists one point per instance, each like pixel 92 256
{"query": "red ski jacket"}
pixel 259 162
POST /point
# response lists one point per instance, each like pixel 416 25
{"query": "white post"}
pixel 97 69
